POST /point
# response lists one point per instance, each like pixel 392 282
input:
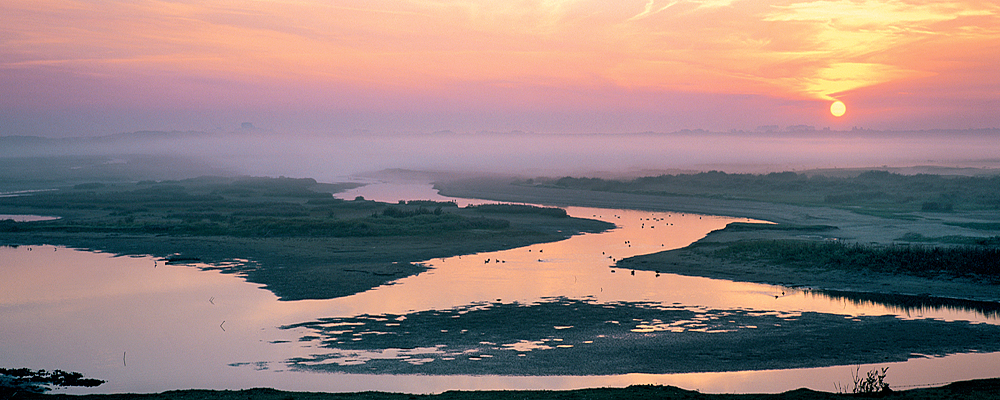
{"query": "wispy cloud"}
pixel 651 8
pixel 417 49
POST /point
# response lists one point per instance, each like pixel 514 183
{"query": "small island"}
pixel 289 234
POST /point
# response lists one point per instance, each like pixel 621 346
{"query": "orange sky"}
pixel 557 65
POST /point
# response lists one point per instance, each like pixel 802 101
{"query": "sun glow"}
pixel 674 64
pixel 838 108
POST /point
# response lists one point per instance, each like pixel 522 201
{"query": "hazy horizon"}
pixel 333 157
pixel 332 88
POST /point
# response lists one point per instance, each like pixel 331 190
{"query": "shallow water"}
pixel 582 267
pixel 147 327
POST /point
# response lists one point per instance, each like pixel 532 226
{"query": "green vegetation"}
pixel 296 238
pixel 239 207
pixel 977 263
pixel 873 192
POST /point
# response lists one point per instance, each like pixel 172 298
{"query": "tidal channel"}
pixel 147 327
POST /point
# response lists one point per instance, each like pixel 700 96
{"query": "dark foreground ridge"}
pixel 973 390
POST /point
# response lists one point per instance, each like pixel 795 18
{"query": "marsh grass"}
pixel 872 383
pixel 244 207
pixel 302 242
pixel 876 193
pixel 980 263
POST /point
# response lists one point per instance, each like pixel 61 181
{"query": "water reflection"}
pixel 583 337
pixel 583 267
pixel 133 321
pixel 913 306
pixel 180 327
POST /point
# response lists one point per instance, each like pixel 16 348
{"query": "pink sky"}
pixel 81 67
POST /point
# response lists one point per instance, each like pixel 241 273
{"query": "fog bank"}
pixel 330 158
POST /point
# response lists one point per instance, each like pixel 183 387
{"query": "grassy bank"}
pixel 872 192
pixel 974 263
pixel 908 275
pixel 944 230
pixel 292 234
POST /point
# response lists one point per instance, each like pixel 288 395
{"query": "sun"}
pixel 838 108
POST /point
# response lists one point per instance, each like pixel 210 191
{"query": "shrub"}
pixel 873 383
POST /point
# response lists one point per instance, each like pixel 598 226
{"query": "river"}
pixel 147 327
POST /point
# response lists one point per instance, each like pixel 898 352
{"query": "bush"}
pixel 873 383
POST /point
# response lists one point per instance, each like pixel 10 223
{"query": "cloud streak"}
pixel 437 52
